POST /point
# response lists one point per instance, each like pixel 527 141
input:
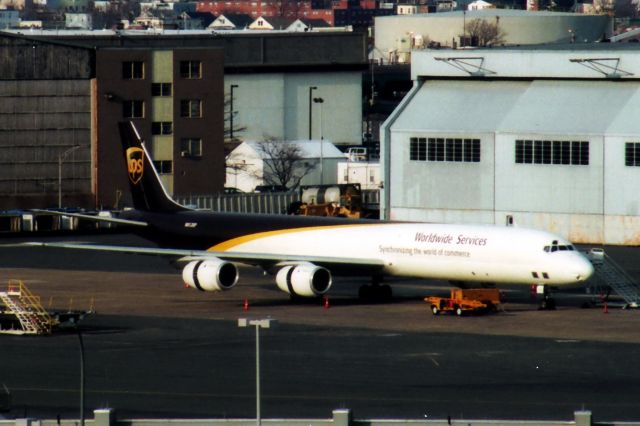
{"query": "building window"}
pixel 418 149
pixel 133 70
pixel 552 152
pixel 191 147
pixel 445 149
pixel 133 109
pixel 190 69
pixel 161 89
pixel 163 167
pixel 161 128
pixel 191 108
pixel 632 154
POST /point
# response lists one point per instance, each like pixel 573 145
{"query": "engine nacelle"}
pixel 306 280
pixel 210 275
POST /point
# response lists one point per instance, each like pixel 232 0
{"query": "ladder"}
pixel 27 309
pixel 613 275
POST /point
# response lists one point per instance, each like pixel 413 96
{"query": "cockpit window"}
pixel 558 247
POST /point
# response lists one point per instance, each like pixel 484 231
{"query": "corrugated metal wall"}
pixel 22 58
pixel 589 197
pixel 39 121
pixel 45 112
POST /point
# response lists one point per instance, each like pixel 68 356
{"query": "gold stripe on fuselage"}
pixel 234 242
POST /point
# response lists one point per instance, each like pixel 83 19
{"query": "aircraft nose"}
pixel 583 268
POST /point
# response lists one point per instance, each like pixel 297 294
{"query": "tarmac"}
pixel 154 349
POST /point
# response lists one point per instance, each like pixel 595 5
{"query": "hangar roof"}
pixel 604 61
pixel 536 106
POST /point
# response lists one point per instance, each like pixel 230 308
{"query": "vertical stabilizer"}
pixel 146 188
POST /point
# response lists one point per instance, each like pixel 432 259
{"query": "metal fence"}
pixel 270 202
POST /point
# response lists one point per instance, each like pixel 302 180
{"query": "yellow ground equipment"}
pixel 462 301
pixel 21 312
pixel 340 200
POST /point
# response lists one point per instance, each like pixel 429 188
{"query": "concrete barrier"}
pixel 341 417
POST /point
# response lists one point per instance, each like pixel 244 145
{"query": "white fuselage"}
pixel 435 251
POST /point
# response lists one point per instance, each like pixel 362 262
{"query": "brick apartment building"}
pixel 175 99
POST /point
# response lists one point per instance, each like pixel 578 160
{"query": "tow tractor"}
pixel 463 301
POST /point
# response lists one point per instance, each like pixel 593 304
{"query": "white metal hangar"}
pixel 550 137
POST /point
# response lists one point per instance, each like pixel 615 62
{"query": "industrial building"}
pixel 396 36
pixel 547 137
pixel 64 93
pixel 60 112
pixel 45 123
pixel 270 78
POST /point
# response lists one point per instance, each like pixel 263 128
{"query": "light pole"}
pixel 81 376
pixel 311 89
pixel 258 324
pixel 320 101
pixel 61 157
pixel 233 86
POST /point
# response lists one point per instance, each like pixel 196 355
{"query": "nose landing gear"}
pixel 548 303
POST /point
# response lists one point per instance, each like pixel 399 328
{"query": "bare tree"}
pixel 483 33
pixel 284 164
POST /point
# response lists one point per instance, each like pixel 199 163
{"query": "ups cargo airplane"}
pixel 305 253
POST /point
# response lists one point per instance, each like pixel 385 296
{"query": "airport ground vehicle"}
pixel 338 200
pixel 463 301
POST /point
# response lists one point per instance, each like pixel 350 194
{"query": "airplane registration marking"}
pixel 234 242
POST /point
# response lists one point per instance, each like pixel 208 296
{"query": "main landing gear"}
pixel 375 292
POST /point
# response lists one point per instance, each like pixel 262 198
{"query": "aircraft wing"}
pixel 256 259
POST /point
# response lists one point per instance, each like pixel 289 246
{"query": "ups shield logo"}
pixel 135 162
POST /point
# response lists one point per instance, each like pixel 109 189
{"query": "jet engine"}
pixel 210 275
pixel 306 280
